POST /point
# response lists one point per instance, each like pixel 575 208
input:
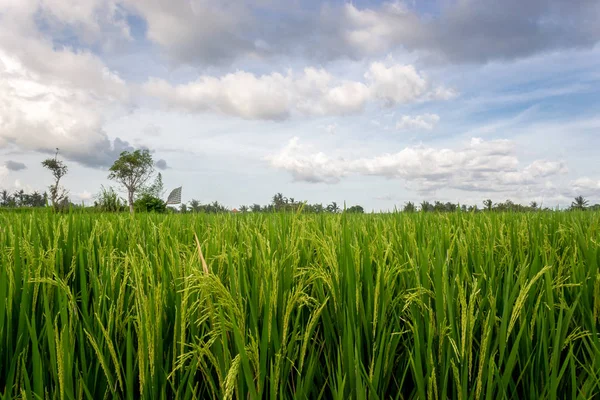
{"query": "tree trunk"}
pixel 131 202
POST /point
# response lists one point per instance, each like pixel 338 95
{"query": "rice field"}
pixel 286 306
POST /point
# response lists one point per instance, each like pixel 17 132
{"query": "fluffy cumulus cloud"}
pixel 586 186
pixel 419 122
pixel 54 96
pixel 479 166
pixel 15 165
pixel 39 111
pixel 313 92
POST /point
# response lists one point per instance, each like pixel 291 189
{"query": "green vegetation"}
pixel 132 170
pixel 411 305
pixel 58 194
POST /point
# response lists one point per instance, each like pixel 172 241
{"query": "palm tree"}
pixel 279 201
pixel 488 204
pixel 533 205
pixel 579 203
pixel 195 205
pixel 333 207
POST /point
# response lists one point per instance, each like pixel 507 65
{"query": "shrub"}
pixel 150 203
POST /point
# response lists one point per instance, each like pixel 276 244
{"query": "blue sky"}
pixel 367 102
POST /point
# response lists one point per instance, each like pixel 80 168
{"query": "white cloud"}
pixel 241 94
pixel 542 168
pixel 397 84
pixel 316 167
pixel 479 166
pixel 56 97
pixel 331 129
pixel 586 186
pixel 82 196
pixel 369 31
pixel 424 122
pixel 314 92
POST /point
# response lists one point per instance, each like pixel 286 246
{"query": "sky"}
pixel 363 102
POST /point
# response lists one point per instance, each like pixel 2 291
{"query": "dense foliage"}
pixel 22 199
pixel 148 203
pixel 422 305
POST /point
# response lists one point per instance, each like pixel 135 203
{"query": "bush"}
pixel 108 200
pixel 150 203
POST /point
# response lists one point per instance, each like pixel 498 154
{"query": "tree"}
pixel 132 170
pixel 488 204
pixel 579 203
pixel 195 205
pixel 438 206
pixel 279 201
pixel 333 207
pixel 318 208
pixel 533 205
pixel 356 210
pixel 59 170
pixel 5 198
pixel 450 207
pixel 157 189
pixel 409 207
pixel 426 206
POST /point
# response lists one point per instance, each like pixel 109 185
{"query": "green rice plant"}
pixel 300 306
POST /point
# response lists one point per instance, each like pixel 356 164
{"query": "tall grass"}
pixel 399 306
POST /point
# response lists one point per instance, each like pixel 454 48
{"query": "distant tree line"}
pixel 579 203
pixel 278 203
pixel 133 170
pixel 22 199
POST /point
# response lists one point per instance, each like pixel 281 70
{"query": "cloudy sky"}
pixel 368 102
